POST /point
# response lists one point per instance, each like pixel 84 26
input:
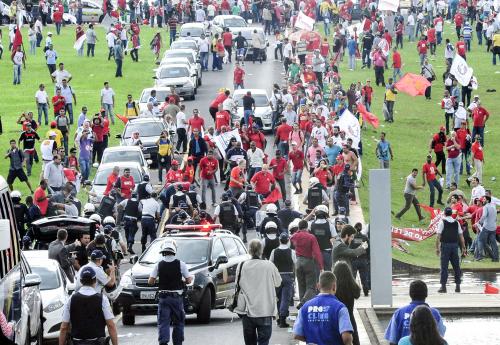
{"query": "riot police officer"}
pixel 144 189
pixel 131 215
pixel 316 195
pixel 344 185
pixel 169 272
pixel 21 212
pixel 226 213
pixel 324 231
pixel 193 196
pixel 250 204
pixel 362 262
pixel 89 313
pixel 271 216
pixel 287 215
pixel 271 240
pixel 107 205
pixel 180 197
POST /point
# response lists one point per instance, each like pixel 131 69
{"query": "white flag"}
pixel 388 5
pixel 79 42
pixel 350 125
pixel 461 70
pixel 304 22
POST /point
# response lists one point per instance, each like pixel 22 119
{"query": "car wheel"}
pixel 203 315
pixel 128 319
pixel 193 97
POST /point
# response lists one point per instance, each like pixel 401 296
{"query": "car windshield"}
pixel 234 22
pixel 186 44
pixel 160 95
pixel 146 129
pixel 174 72
pixel 195 32
pixel 122 156
pixel 50 278
pixel 174 54
pixel 190 250
pixel 260 100
pixel 101 178
pixel 248 35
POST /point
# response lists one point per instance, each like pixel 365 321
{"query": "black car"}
pixel 44 230
pixel 149 129
pixel 211 255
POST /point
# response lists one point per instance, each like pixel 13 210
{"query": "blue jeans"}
pixel 84 168
pixel 257 330
pixel 283 147
pixel 434 184
pixel 43 107
pixel 327 27
pixel 172 35
pixel 479 35
pixel 439 36
pixel 69 111
pixel 297 177
pixel 480 131
pixel 246 115
pixel 285 293
pixel 109 112
pixel 485 238
pixel 396 73
pixel 17 74
pixel 449 253
pixel 327 259
pixel 215 62
pixel 252 171
pixel 204 60
pixel 130 228
pixel 58 28
pixel 467 44
pixel 453 169
pixel 148 228
pixel 171 310
pixel 33 47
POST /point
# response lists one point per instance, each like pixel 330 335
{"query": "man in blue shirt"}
pixel 324 320
pixel 384 152
pixel 399 326
pixel 332 151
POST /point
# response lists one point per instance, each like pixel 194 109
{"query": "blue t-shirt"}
pixel 399 326
pixel 332 153
pixel 322 320
pixel 383 150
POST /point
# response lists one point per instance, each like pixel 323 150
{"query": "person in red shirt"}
pixel 308 75
pixel 367 93
pixel 462 134
pixel 214 106
pixel 324 49
pixel 479 117
pixel 399 34
pixel 461 48
pixel 453 160
pixel 459 21
pixel 429 172
pixel 125 184
pixel 478 158
pixel 238 76
pixel 208 167
pixel 196 122
pixel 227 41
pixel 58 102
pixel 98 133
pixel 280 167
pixel 323 174
pixel 188 171
pixel 237 178
pixel 431 38
pixel 437 144
pixel 110 183
pixel 387 37
pixel 40 197
pixel 422 49
pixel 262 181
pixel 174 175
pixel 58 17
pixel 255 135
pixel 296 156
pixel 222 118
pixel 396 64
pixel 282 135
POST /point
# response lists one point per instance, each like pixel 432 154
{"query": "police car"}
pixel 211 255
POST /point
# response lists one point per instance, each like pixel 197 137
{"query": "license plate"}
pixel 147 155
pixel 148 294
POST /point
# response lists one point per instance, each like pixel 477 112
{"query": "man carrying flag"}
pixel 18 56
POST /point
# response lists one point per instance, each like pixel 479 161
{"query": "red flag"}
pixel 18 40
pixel 431 210
pixel 412 84
pixel 274 196
pixel 123 118
pixel 371 118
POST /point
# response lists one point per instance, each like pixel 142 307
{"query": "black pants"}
pixel 441 159
pixel 229 51
pixel 97 151
pixel 379 75
pixel 111 52
pixel 447 118
pixel 449 253
pixel 213 111
pixel 458 29
pixel 287 63
pixel 466 94
pixel 428 91
pixel 181 139
pixel 279 48
pixel 134 54
pixel 363 266
pixel 52 68
pixel 282 188
pixel 399 41
pixel 257 55
pixel 90 49
pixel 409 200
pixel 119 63
pixel 319 76
pixel 366 58
pixel 302 59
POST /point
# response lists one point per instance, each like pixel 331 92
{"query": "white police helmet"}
pixel 271 208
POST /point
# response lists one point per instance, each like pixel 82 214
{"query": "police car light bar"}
pixel 201 228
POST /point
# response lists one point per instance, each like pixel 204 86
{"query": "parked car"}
pixel 263 112
pixel 211 255
pixel 137 171
pixel 161 93
pixel 182 60
pixel 150 129
pixel 116 154
pixel 91 12
pixel 234 23
pixel 180 76
pixel 55 289
pixel 185 44
pixel 187 53
pixel 247 33
pixel 196 29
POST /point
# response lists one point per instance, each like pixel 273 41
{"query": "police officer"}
pixel 194 196
pixel 362 262
pixel 180 197
pixel 131 215
pixel 150 213
pixel 449 236
pixel 316 195
pixel 226 213
pixel 271 239
pixel 250 204
pixel 107 205
pixel 89 313
pixel 21 212
pixel 103 280
pixel 271 216
pixel 169 272
pixel 144 189
pixel 325 233
pixel 344 184
pixel 287 215
pixel 88 210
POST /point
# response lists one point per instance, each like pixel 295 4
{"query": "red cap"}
pixel 53 124
pixel 190 158
pixel 174 162
pixel 442 128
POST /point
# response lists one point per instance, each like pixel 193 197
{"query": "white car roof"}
pixel 173 65
pixel 181 50
pixel 121 165
pixel 193 25
pixel 122 148
pixel 253 91
pixel 40 258
pixel 228 16
pixel 181 59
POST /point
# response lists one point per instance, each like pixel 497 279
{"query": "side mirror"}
pixel 155 77
pixel 118 136
pixel 149 161
pixel 70 287
pixel 32 279
pixel 133 259
pixel 221 260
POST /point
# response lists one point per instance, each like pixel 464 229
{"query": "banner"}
pixel 460 70
pixel 304 22
pixel 412 84
pixel 411 234
pixel 79 42
pixel 350 125
pixel 368 117
pixel 222 140
pixel 388 5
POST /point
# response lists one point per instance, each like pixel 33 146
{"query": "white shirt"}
pixel 107 95
pixel 60 75
pixel 101 277
pixel 67 92
pixel 460 115
pixel 88 291
pixel 321 134
pixel 181 120
pixel 477 192
pixel 255 159
pixel 287 99
pixel 149 207
pixel 228 104
pixel 200 15
pixel 411 20
pixel 203 45
pixel 38 26
pixel 211 10
pixel 18 58
pixel 110 38
pixel 288 50
pixel 41 97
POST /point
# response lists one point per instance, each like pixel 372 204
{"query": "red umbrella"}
pixel 412 84
pixel 312 38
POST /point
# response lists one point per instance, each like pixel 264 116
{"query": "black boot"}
pixel 457 288
pixel 130 250
pixel 143 247
pixel 244 238
pixel 282 323
pixel 442 289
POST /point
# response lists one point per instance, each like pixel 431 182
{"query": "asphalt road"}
pixel 225 327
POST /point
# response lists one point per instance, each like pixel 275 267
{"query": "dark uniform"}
pixel 323 235
pixel 250 207
pixel 342 188
pixel 362 262
pixel 269 246
pixel 107 206
pixel 22 216
pixel 286 216
pixel 270 218
pixel 450 237
pixel 142 193
pixel 131 215
pixel 226 215
pixel 314 196
pixel 178 199
pixel 192 195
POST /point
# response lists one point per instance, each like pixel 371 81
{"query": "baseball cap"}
pixel 97 254
pixel 174 162
pixel 284 236
pixel 87 272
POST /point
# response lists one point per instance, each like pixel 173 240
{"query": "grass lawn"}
pixel 89 74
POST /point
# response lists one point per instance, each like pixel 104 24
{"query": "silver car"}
pixel 180 76
pixel 190 54
pixel 263 111
pixel 182 60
